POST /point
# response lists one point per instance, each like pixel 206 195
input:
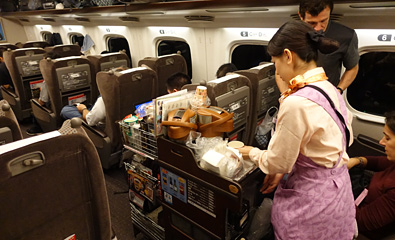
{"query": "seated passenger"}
pixel 43 99
pixel 94 115
pixel 225 68
pixel 175 82
pixel 5 78
pixel 376 213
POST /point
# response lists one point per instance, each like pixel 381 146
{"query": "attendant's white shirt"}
pixel 97 114
pixel 303 127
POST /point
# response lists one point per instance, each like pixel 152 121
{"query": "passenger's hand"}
pixel 245 151
pixel 270 183
pixel 80 107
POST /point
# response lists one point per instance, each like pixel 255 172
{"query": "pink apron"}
pixel 315 202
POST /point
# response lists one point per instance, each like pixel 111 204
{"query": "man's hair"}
pixel 225 68
pixel 177 80
pixel 314 7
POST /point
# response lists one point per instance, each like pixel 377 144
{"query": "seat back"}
pixel 9 126
pixel 36 44
pixel 121 91
pixel 265 93
pixel 105 62
pixel 5 46
pixel 53 192
pixel 68 81
pixel 165 66
pixel 65 50
pixel 233 94
pixel 23 66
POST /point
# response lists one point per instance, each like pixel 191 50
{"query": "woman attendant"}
pixel 313 131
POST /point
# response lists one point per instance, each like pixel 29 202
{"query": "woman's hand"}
pixel 270 182
pixel 245 151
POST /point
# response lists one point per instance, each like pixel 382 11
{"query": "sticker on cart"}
pixel 201 198
pixel 168 198
pixel 173 185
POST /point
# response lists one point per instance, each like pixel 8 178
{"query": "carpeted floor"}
pixel 117 191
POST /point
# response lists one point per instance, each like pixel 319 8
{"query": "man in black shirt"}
pixel 317 13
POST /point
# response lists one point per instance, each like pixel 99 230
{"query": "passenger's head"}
pixel 295 45
pixel 51 55
pixel 388 140
pixel 225 68
pixel 176 81
pixel 316 13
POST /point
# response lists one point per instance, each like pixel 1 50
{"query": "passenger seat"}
pixel 120 91
pixel 23 65
pixel 68 80
pixel 165 66
pixel 53 192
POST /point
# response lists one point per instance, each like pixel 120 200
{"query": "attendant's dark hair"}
pixel 225 68
pixel 301 38
pixel 390 120
pixel 314 7
pixel 177 80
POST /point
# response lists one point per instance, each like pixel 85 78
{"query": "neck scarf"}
pixel 299 81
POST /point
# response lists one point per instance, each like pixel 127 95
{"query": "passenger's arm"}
pixel 378 213
pixel 355 161
pixel 83 110
pixel 97 114
pixel 348 77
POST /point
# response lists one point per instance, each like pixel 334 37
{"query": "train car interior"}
pixel 125 177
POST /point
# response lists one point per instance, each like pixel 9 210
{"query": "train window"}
pixel 373 90
pixel 46 36
pixel 248 56
pixel 166 47
pixel 116 44
pixel 77 38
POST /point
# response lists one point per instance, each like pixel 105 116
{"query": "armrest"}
pixel 7 91
pixel 93 130
pixel 35 103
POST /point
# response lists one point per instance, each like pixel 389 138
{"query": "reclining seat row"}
pixel 71 79
pixel 120 91
pixel 23 66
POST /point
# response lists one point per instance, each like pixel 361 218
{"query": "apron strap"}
pixel 339 115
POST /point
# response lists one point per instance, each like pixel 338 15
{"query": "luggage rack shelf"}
pixel 139 138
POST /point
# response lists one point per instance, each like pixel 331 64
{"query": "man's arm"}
pixel 348 77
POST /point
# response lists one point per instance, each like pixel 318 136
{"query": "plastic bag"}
pixel 214 155
pixel 261 223
pixel 263 130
